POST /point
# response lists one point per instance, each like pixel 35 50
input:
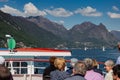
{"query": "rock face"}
pixel 41 32
pixel 116 34
pixel 56 29
pixel 91 34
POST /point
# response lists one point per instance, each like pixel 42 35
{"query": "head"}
pixel 60 63
pixel 4 73
pixel 2 60
pixel 89 63
pixel 73 61
pixel 116 72
pixel 95 63
pixel 79 68
pixel 52 59
pixel 109 65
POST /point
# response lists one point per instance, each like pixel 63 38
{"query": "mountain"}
pixel 26 32
pixel 41 32
pixel 116 34
pixel 55 28
pixel 89 34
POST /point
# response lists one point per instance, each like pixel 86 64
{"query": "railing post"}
pixel 25 77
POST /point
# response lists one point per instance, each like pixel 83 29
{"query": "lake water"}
pixel 98 54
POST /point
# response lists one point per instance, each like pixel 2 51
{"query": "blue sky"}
pixel 68 12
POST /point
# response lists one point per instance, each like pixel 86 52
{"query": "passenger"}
pixel 79 71
pixel 72 63
pixel 59 73
pixel 5 74
pixel 116 72
pixel 108 66
pixel 118 59
pixel 95 67
pixel 91 74
pixel 51 67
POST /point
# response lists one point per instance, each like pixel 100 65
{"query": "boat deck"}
pixel 27 77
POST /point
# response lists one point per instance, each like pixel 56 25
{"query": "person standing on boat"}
pixel 108 66
pixel 59 73
pixel 5 74
pixel 51 67
pixel 79 71
pixel 72 63
pixel 118 59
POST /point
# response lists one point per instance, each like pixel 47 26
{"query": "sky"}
pixel 67 12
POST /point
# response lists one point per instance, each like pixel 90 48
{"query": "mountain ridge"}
pixel 41 32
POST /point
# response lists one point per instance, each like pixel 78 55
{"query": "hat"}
pixel 2 60
pixel 74 60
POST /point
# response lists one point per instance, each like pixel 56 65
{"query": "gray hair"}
pixel 80 68
pixel 109 63
pixel 89 63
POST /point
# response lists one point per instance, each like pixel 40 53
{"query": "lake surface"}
pixel 98 54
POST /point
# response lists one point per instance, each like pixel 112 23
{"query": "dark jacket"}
pixel 98 71
pixel 59 75
pixel 70 70
pixel 46 73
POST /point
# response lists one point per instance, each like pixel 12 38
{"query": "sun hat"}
pixel 2 60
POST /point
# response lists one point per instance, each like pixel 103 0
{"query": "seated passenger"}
pixel 5 74
pixel 118 59
pixel 59 73
pixel 108 66
pixel 95 67
pixel 72 63
pixel 51 67
pixel 90 74
pixel 79 71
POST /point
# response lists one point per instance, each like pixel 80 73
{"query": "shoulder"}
pixel 75 78
pixel 96 75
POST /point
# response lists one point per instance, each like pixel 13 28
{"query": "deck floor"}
pixel 27 77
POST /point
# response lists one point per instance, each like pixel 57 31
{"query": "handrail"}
pixel 20 60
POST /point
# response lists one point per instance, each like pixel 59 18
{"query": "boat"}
pixel 21 61
pixel 103 48
pixel 85 48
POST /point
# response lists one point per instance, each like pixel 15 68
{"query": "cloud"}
pixel 29 10
pixel 3 0
pixel 59 12
pixel 60 22
pixel 115 8
pixel 88 11
pixel 10 10
pixel 113 15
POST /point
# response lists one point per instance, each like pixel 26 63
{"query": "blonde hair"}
pixel 60 63
pixel 95 63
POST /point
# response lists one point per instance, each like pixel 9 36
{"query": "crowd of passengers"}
pixel 80 70
pixel 86 69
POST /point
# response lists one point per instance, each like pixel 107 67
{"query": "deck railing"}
pixel 21 71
